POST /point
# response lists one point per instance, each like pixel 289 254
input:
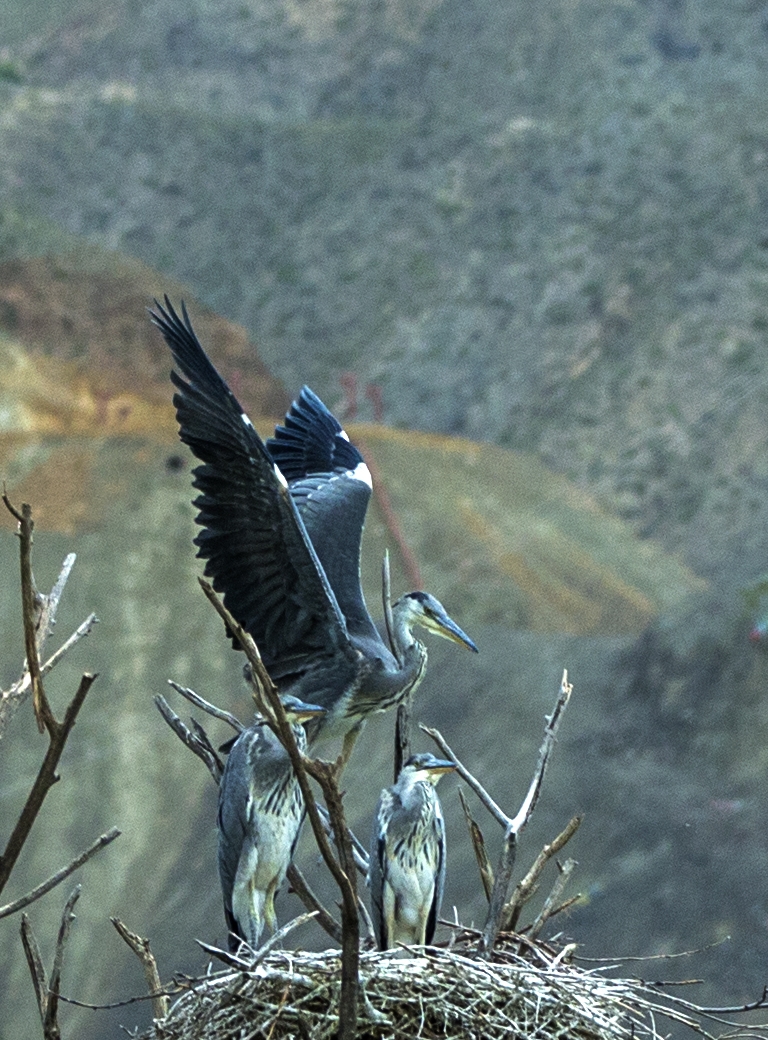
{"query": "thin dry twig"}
pixel 46 778
pixel 141 948
pixel 526 887
pixel 61 875
pixel 51 1030
pixel 552 900
pixel 36 966
pixel 202 748
pixel 80 632
pixel 206 706
pixel 32 604
pixel 478 844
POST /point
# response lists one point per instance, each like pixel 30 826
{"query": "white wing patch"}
pixel 361 472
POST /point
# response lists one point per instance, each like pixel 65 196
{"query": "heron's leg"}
pixel 270 917
pixel 350 737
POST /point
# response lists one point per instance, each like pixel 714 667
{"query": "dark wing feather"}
pixel 377 868
pixel 437 899
pixel 333 509
pixel 256 548
pixel 312 441
pixel 315 455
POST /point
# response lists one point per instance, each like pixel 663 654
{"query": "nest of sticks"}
pixel 530 991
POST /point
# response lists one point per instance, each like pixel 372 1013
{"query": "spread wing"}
pixel 331 487
pixel 255 545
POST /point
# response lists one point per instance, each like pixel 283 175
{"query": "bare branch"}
pixel 495 810
pixel 311 902
pixel 31 612
pixel 142 950
pixel 204 705
pixel 478 844
pixel 61 875
pixel 507 859
pixel 51 1029
pixel 550 732
pixel 15 695
pixel 36 967
pixel 386 597
pixel 550 903
pixel 525 888
pixel 203 750
pixel 81 631
pixel 46 778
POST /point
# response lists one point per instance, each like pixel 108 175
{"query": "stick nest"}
pixel 446 994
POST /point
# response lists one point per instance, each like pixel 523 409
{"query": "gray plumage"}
pixel 282 524
pixel 406 871
pixel 261 810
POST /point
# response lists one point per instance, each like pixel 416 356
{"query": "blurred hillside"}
pixel 538 224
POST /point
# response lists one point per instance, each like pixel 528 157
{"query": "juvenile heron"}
pixel 407 861
pixel 261 810
pixel 282 525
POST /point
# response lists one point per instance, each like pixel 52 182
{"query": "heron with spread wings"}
pixel 282 524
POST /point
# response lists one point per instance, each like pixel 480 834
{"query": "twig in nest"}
pixel 59 876
pixel 326 774
pixel 246 959
pixel 142 950
pixel 526 887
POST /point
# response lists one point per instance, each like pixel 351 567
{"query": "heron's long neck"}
pixel 300 735
pixel 402 635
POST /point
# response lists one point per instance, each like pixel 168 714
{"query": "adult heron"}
pixel 282 526
pixel 261 810
pixel 406 869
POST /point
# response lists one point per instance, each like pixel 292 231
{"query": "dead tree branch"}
pixel 46 777
pixel 142 950
pixel 478 844
pixel 198 745
pixel 61 875
pixel 512 826
pixel 553 899
pixel 526 887
pixel 206 706
pixel 32 604
pixel 47 991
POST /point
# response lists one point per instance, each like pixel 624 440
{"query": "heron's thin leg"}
pixel 349 742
